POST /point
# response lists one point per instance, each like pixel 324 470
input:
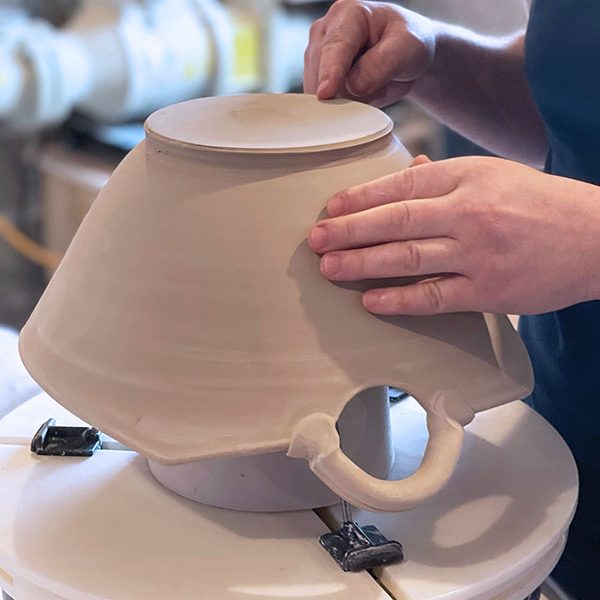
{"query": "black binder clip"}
pixel 52 440
pixel 356 548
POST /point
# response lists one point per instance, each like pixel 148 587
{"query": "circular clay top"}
pixel 263 123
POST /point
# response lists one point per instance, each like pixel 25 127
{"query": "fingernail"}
pixel 335 207
pixel 322 87
pixel 318 237
pixel 330 264
pixel 373 300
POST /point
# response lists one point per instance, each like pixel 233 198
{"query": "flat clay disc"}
pixel 269 123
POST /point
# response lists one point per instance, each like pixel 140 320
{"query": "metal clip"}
pixel 52 440
pixel 356 548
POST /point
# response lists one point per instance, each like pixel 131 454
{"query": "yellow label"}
pixel 246 47
pixel 191 71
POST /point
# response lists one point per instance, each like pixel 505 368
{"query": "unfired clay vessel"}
pixel 189 318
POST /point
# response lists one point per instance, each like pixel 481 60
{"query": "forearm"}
pixel 477 86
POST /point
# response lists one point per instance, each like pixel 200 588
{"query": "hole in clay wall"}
pixel 383 430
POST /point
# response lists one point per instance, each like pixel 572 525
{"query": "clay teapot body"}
pixel 189 319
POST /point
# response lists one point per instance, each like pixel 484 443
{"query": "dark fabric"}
pixel 578 571
pixel 563 69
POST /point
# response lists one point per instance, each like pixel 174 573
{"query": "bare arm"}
pixel 379 52
pixel 477 86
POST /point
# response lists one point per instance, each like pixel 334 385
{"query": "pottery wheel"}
pixel 103 529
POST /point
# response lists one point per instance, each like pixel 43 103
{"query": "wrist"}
pixel 456 57
pixel 436 35
pixel 591 286
pixel 585 231
pixel 443 41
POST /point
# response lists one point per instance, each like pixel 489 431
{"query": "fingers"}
pixel 396 259
pixel 422 181
pixel 397 54
pixel 312 57
pixel 360 48
pixel 383 97
pixel 451 293
pixel 393 222
pixel 346 34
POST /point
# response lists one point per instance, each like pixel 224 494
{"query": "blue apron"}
pixel 562 63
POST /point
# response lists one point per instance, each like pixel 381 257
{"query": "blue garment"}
pixel 562 63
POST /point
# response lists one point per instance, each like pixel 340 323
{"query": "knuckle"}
pixel 375 71
pixel 398 301
pixel 492 225
pixel 401 301
pixel 335 38
pixel 433 296
pixel 346 202
pixel 380 57
pixel 359 264
pixel 315 31
pixel 405 183
pixel 482 210
pixel 344 5
pixel 471 209
pixel 479 167
pixel 400 216
pixel 491 215
pixel 412 258
pixel 351 230
pixel 463 204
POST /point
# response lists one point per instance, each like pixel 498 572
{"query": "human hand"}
pixel 492 235
pixel 368 50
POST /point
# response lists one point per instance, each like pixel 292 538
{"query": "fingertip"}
pixel 318 238
pixel 324 89
pixel 335 207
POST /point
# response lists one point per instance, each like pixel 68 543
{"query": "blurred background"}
pixel 78 77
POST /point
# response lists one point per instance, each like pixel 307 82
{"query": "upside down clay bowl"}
pixel 189 318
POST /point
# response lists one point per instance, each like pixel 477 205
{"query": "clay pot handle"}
pixel 316 440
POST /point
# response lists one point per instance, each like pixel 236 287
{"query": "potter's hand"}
pixel 370 50
pixel 504 237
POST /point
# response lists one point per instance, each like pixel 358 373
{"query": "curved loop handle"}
pixel 316 440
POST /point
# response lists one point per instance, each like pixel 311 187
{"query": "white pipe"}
pixel 151 54
pixel 116 60
pixel 11 83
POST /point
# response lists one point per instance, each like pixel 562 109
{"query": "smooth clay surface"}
pixel 289 123
pixel 189 318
